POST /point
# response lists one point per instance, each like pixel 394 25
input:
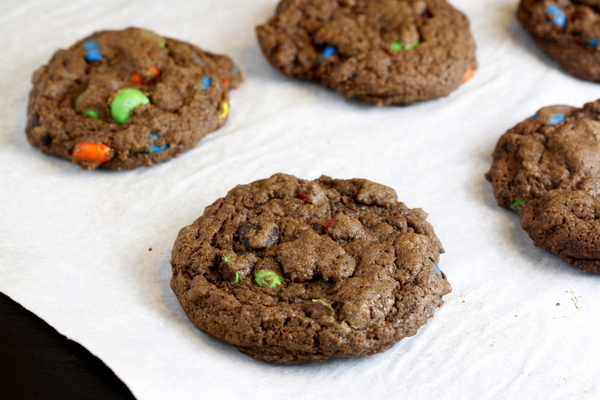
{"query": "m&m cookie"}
pixel 379 51
pixel 547 169
pixel 122 99
pixel 289 270
pixel 568 31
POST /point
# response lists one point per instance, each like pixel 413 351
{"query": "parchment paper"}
pixel 88 251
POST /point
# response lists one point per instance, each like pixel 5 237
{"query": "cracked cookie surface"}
pixel 566 221
pixel 568 31
pixel 290 270
pixel 382 51
pixel 546 168
pixel 122 99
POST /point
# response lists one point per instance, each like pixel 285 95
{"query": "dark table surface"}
pixel 37 362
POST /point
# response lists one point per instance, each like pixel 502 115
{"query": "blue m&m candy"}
pixel 206 82
pixel 437 269
pixel 557 17
pixel 92 52
pixel 328 51
pixel 154 148
pixel 556 118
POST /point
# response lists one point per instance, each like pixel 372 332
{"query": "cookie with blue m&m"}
pixel 547 170
pixel 539 153
pixel 379 51
pixel 566 30
pixel 290 270
pixel 122 99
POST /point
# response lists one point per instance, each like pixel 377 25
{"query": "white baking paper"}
pixel 88 251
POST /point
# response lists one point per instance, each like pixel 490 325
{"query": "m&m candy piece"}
pixel 328 224
pixel 437 269
pixel 91 114
pixel 157 149
pixel 94 152
pixel 156 72
pixel 396 46
pixel 468 74
pixel 557 17
pixel 328 51
pixel 225 111
pixel 330 310
pixel 91 44
pixel 92 53
pixel 517 205
pixel 137 78
pixel 267 278
pixel 205 83
pixel 556 118
pixel 154 148
pixel 124 102
pixel 412 45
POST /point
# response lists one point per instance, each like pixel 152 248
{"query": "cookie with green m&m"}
pixel 565 221
pixel 379 51
pixel 122 99
pixel 291 270
pixel 537 164
pixel 568 31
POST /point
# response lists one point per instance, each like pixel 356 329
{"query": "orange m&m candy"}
pixel 137 78
pixel 94 152
pixel 468 74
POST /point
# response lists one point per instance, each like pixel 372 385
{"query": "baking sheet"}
pixel 88 251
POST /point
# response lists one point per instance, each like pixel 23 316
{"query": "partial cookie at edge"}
pixel 546 168
pixel 567 31
pixel 566 221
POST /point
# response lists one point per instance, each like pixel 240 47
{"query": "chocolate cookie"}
pixel 566 221
pixel 380 51
pixel 290 270
pixel 541 168
pixel 568 31
pixel 121 99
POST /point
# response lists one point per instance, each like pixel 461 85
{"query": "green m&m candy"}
pixel 517 205
pixel 124 102
pixel 268 278
pixel 91 114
